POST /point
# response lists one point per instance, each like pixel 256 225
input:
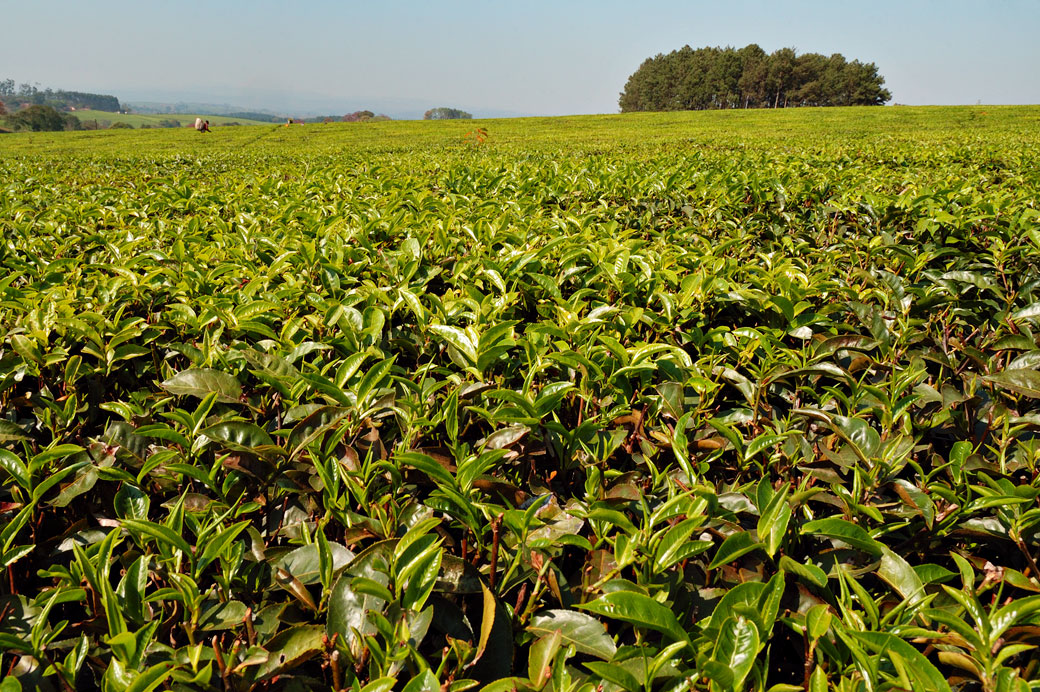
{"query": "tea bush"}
pixel 664 402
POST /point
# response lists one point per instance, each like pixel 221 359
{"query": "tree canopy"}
pixel 748 77
pixel 446 114
pixel 364 116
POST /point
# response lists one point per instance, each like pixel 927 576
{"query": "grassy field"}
pixel 688 401
pixel 137 120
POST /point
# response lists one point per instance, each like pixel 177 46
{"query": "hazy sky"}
pixel 529 56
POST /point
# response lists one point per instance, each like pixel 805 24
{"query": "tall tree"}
pixel 754 66
pixel 780 74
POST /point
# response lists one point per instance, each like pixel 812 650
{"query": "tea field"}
pixel 686 401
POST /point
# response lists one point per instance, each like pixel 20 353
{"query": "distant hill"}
pixel 138 120
pixel 261 117
pixel 222 109
pixel 295 105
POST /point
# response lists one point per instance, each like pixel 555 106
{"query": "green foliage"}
pixel 446 114
pixel 42 119
pixel 606 403
pixel 57 98
pixel 714 78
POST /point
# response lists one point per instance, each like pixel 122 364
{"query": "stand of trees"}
pixel 55 98
pixel 715 78
pixel 364 116
pixel 446 114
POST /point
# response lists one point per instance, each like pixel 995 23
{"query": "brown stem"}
pixel 520 598
pixel 1029 557
pixel 61 676
pixel 218 654
pixel 808 662
pixel 495 524
pixel 250 632
pixel 337 672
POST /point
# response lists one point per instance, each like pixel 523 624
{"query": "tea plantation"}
pixel 686 401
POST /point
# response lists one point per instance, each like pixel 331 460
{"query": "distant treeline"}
pixel 714 78
pixel 56 98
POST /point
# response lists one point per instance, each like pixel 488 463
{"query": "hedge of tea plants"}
pixel 741 410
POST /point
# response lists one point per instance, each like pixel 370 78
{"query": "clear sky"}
pixel 551 57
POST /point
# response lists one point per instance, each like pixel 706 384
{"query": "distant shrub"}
pixel 121 126
pixel 42 119
pixel 446 114
pixel 169 122
pixel 358 117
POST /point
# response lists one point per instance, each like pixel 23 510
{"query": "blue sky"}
pixel 535 57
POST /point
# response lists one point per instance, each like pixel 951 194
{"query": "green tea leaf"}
pixel 901 576
pixel 639 610
pixel 735 545
pixel 584 632
pixel 736 648
pixel 17 470
pixel 201 382
pixel 844 531
pixel 1024 382
pixel 161 534
pixel 925 676
pixel 290 648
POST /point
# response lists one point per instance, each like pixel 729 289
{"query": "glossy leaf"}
pixel 201 382
pixel 584 632
pixel 639 610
